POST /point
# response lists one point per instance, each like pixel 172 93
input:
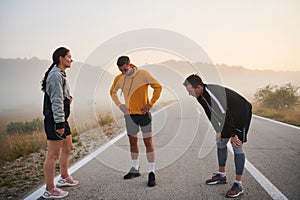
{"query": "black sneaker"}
pixel 235 191
pixel 132 173
pixel 216 179
pixel 151 179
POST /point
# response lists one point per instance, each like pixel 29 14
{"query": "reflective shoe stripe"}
pixel 235 195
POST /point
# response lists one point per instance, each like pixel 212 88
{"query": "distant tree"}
pixel 25 127
pixel 278 97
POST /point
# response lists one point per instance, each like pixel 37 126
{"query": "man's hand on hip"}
pixel 124 109
pixel 146 109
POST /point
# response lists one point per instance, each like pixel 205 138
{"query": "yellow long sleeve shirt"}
pixel 135 90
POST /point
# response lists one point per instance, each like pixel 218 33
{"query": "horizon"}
pixel 168 60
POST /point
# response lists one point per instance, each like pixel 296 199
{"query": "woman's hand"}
pixel 60 131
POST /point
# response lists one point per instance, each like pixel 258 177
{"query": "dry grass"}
pixel 106 119
pixel 293 116
pixel 18 145
pixel 290 116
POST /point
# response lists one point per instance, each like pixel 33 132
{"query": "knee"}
pixel 221 145
pixel 67 149
pixel 52 156
pixel 148 142
pixel 133 141
pixel 237 150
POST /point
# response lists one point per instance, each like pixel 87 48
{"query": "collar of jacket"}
pixel 130 77
pixel 56 68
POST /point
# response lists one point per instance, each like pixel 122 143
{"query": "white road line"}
pixel 39 192
pixel 277 122
pixel 261 179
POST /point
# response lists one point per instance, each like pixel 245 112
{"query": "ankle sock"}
pixel 135 164
pixel 222 174
pixel 151 166
pixel 238 182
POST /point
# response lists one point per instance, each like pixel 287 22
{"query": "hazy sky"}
pixel 257 34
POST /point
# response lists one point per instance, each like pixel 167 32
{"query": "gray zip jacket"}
pixel 57 88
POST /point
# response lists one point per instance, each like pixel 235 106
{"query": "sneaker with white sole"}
pixel 66 182
pixel 216 179
pixel 55 193
pixel 235 191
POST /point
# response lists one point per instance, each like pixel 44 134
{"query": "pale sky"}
pixel 257 34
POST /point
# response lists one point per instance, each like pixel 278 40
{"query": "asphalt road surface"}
pixel 186 157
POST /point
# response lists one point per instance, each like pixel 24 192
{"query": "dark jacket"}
pixel 228 112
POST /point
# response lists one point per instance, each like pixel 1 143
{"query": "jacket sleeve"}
pixel 223 122
pixel 55 92
pixel 113 92
pixel 156 86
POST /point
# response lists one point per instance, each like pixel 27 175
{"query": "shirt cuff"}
pixel 59 125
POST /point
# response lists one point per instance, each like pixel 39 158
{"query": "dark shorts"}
pixel 135 121
pixel 49 126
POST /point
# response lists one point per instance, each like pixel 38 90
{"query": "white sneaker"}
pixel 55 194
pixel 64 182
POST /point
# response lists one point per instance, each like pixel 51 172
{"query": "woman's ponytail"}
pixel 45 77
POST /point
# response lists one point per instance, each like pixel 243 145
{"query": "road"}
pixel 186 157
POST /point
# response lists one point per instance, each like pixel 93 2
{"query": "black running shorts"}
pixel 49 126
pixel 135 121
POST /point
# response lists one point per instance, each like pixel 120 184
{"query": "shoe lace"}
pixel 62 180
pixel 235 187
pixel 215 176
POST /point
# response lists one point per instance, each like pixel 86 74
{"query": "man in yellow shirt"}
pixel 133 83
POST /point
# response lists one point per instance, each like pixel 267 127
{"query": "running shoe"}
pixel 55 193
pixel 151 179
pixel 66 182
pixel 235 191
pixel 216 179
pixel 132 173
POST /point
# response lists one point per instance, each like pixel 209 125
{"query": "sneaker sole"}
pixel 152 185
pixel 134 176
pixel 216 182
pixel 236 195
pixel 66 184
pixel 55 197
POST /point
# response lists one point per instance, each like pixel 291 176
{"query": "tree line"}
pixel 278 97
pixel 35 125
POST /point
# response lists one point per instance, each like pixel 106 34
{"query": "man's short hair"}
pixel 123 60
pixel 194 80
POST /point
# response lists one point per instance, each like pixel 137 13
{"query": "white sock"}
pixel 135 164
pixel 238 182
pixel 222 174
pixel 151 166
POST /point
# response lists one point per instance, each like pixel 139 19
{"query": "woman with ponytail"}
pixel 56 109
